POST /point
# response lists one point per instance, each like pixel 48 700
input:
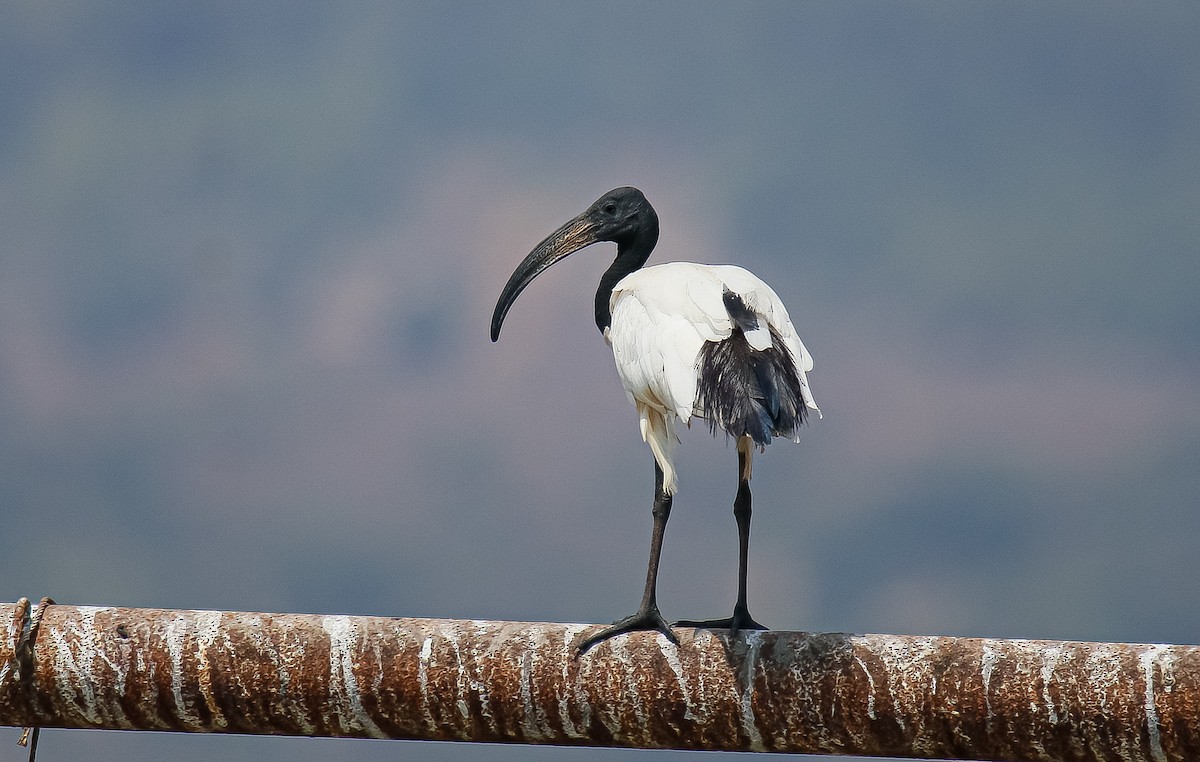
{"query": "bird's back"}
pixel 663 316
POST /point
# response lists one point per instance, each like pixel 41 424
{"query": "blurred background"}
pixel 250 253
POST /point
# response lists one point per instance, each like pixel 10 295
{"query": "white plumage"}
pixel 661 317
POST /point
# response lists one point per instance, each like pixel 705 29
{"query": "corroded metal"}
pixel 887 695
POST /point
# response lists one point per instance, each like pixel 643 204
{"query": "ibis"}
pixel 711 342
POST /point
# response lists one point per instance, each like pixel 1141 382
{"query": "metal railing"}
pixel 521 682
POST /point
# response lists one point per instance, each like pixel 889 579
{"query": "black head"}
pixel 622 216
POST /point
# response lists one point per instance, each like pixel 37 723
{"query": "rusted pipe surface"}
pixel 293 674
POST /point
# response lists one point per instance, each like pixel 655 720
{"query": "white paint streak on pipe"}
pixel 529 724
pixel 671 654
pixel 478 683
pixel 462 680
pixel 1102 669
pixel 987 664
pixel 749 721
pixel 567 658
pixel 539 648
pixel 1050 658
pixel 208 626
pixel 702 643
pixel 74 664
pixel 343 685
pixel 579 688
pixel 469 681
pixel 423 680
pixel 1147 661
pixel 377 676
pixel 175 635
pixel 1026 653
pixel 119 665
pixel 11 634
pixel 871 682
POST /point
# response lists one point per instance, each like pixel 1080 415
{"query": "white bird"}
pixel 690 341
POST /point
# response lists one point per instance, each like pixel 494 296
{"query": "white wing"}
pixel 683 299
pixel 763 300
pixel 661 317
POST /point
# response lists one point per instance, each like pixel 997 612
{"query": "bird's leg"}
pixel 741 619
pixel 647 617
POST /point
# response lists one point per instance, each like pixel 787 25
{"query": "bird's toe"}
pixel 741 620
pixel 645 619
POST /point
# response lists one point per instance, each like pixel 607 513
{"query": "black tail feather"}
pixel 749 392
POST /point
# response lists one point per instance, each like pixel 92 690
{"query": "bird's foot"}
pixel 741 620
pixel 644 619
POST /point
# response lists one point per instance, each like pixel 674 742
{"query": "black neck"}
pixel 632 253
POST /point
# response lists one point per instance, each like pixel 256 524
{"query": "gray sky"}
pixel 250 256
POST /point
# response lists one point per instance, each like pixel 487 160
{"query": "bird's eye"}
pixel 610 208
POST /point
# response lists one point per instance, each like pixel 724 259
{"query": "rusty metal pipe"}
pixel 514 682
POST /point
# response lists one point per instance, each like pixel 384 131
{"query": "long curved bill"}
pixel 568 239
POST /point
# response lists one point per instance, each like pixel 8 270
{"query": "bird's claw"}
pixel 644 619
pixel 741 620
